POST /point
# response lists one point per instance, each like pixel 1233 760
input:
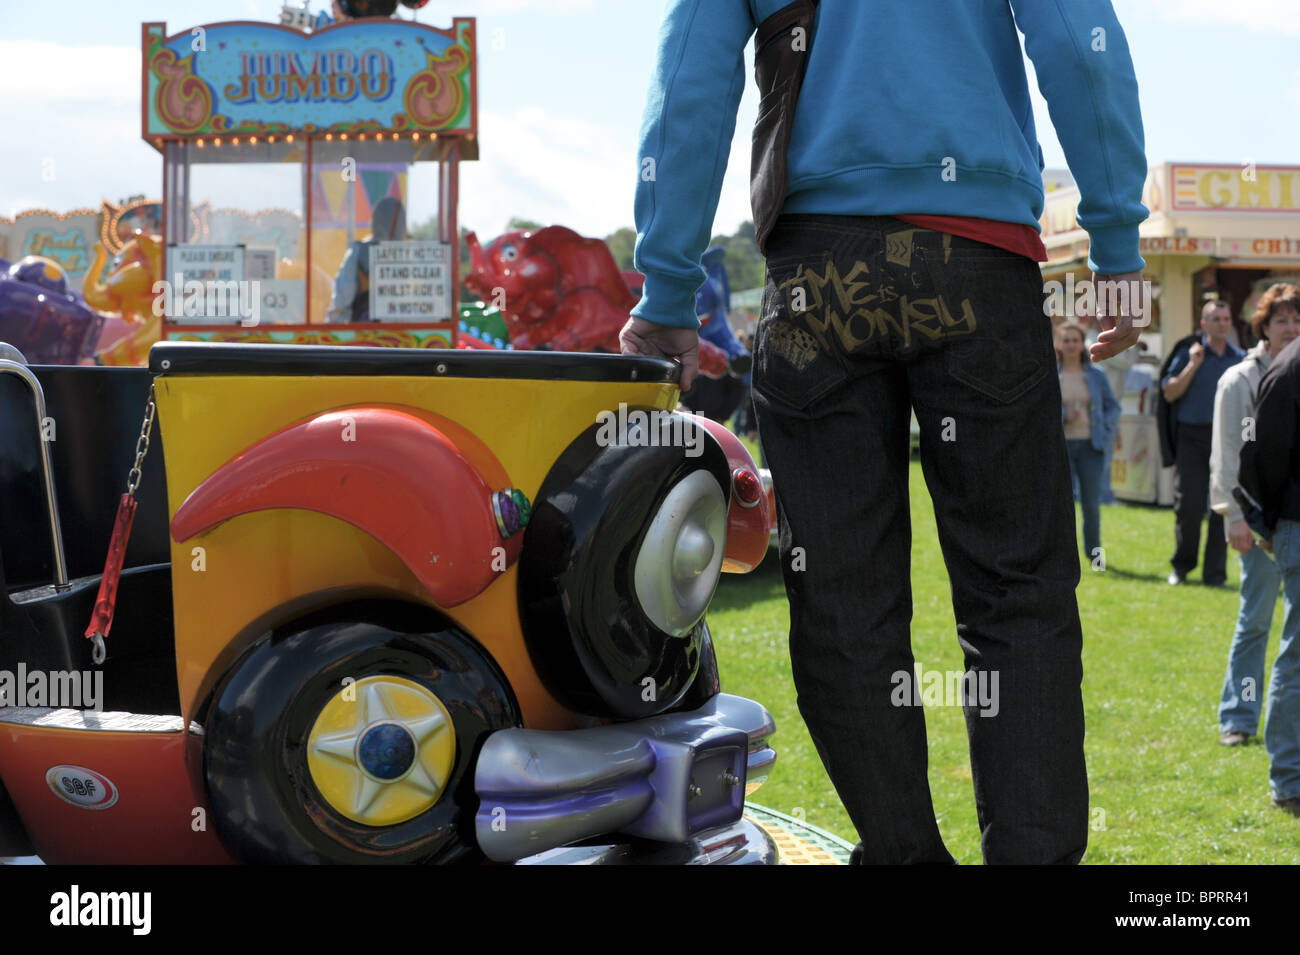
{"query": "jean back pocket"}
pixel 1009 349
pixel 792 363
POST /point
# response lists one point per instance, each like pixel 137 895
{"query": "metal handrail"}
pixel 51 499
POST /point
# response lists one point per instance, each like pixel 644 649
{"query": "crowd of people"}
pixel 1210 420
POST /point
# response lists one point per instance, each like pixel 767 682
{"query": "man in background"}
pixel 351 299
pixel 1269 475
pixel 1276 323
pixel 1189 386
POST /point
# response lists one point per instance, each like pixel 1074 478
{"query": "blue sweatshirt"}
pixel 897 93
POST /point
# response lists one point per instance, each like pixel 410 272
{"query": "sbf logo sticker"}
pixel 82 787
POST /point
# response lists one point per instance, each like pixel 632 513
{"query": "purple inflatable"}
pixel 40 317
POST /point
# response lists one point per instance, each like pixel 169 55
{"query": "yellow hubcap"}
pixel 381 750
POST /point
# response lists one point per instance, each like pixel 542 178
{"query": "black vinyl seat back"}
pixel 96 415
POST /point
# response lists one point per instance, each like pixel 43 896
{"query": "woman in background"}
pixel 1090 413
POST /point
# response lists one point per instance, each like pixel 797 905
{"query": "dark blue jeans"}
pixel 864 319
pixel 1191 506
pixel 1086 464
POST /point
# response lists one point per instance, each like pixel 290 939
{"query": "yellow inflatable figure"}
pixel 127 291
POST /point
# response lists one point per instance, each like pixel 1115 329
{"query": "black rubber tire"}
pixel 263 801
pixel 707 683
pixel 588 638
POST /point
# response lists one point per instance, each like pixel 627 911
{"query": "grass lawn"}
pixel 1162 789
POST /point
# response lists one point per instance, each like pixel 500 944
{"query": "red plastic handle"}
pixel 101 621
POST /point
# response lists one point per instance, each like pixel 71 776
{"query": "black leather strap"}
pixel 779 67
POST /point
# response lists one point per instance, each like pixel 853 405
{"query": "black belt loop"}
pixel 780 62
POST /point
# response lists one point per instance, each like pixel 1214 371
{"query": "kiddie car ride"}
pixel 395 606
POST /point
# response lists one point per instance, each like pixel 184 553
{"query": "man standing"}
pixel 1276 323
pixel 1189 387
pixel 901 276
pixel 1269 475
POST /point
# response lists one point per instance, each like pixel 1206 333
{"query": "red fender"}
pixel 748 522
pixel 388 472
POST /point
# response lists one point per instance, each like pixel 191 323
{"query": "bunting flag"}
pixel 335 189
pixel 376 182
pixel 360 205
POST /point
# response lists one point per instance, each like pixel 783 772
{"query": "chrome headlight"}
pixel 680 560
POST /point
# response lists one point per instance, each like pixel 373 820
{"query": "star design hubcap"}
pixel 381 750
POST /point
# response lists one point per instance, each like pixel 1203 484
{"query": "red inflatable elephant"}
pixel 560 290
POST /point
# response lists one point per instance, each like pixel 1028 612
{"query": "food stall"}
pixel 310 178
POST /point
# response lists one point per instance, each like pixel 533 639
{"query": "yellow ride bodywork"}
pixel 246 575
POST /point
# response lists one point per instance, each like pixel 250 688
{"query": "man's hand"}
pixel 1118 331
pixel 640 337
pixel 1196 354
pixel 1240 538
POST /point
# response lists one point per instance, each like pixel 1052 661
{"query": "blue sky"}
pixel 562 87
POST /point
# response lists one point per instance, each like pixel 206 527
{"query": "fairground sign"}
pixel 1241 188
pixel 1193 188
pixel 264 80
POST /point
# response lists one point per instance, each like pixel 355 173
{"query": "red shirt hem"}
pixel 1012 236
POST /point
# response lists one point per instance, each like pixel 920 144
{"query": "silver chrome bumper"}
pixel 662 778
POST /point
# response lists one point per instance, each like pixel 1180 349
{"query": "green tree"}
pixel 621 244
pixel 524 225
pixel 428 229
pixel 745 265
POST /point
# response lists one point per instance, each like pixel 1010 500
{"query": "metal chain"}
pixel 134 476
pixel 98 652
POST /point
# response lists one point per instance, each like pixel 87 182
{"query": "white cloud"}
pixel 44 72
pixel 548 167
pixel 1257 16
pixel 565 170
pixel 80 106
pixel 733 205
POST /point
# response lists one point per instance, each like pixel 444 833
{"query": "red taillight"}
pixel 748 488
